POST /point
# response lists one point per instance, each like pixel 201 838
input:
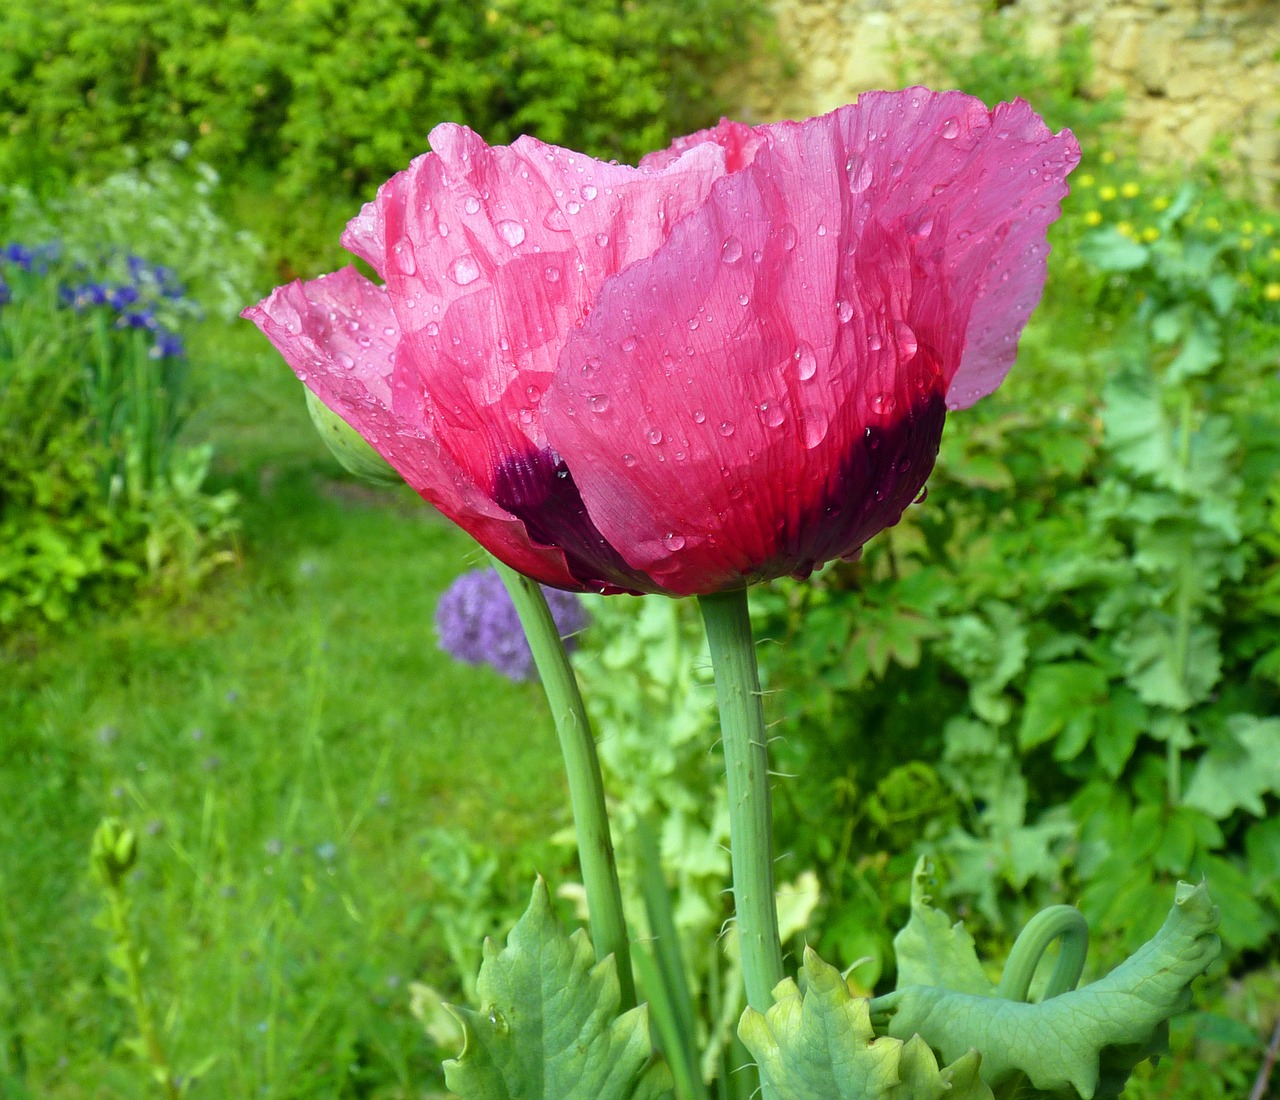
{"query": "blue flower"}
pixel 5 294
pixel 168 344
pixel 477 623
pixel 122 295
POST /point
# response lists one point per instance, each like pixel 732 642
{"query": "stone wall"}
pixel 1190 70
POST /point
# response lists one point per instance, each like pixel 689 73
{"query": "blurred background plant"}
pixel 1059 675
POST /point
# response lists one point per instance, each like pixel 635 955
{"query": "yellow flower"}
pixel 1268 229
pixel 1160 202
pixel 1107 193
pixel 491 17
pixel 1150 233
pixel 1130 190
pixel 1272 293
pixel 1246 228
pixel 1108 157
pixel 1085 181
pixel 1124 229
pixel 1275 255
pixel 1212 224
pixel 1093 217
pixel 1246 243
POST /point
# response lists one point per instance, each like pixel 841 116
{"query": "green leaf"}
pixel 933 951
pixel 548 1026
pixel 1089 1039
pixel 819 1045
pixel 1058 696
pixel 1239 769
pixel 1109 250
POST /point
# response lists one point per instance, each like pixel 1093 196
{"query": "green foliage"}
pixel 548 1024
pixel 332 98
pixel 819 1045
pixel 1087 1040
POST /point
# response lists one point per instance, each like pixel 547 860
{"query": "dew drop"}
pixel 572 207
pixel 873 341
pixel 844 310
pixel 555 219
pixel 806 362
pixel 693 324
pixel 654 436
pixel 589 192
pixel 743 299
pixel 345 361
pixel 389 330
pixel 673 541
pixel 534 393
pixel 526 416
pixel 628 460
pixel 757 256
pixel 551 273
pixel 771 413
pixel 731 250
pixel 591 366
pixel 789 236
pixel 464 270
pixel 433 329
pixel 598 402
pixel 442 229
pixel 923 227
pixel 859 174
pixel 922 496
pixel 908 345
pixel 602 239
pixel 883 404
pixel 629 344
pixel 822 231
pixel 896 168
pixel 404 259
pixel 813 425
pixel 699 417
pixel 726 428
pixel 950 129
pixel 511 232
pixel 472 205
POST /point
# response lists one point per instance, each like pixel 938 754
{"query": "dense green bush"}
pixel 332 96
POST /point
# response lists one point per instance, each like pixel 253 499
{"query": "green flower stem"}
pixel 746 758
pixel 586 786
pixel 1063 922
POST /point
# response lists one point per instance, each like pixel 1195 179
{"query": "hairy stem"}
pixel 586 786
pixel 746 760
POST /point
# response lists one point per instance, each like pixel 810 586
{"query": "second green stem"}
pixel 586 786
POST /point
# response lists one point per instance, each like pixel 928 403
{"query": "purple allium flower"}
pixel 477 623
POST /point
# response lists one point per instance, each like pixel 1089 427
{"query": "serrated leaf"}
pixel 1238 770
pixel 1058 696
pixel 933 951
pixel 548 1027
pixel 1089 1039
pixel 819 1045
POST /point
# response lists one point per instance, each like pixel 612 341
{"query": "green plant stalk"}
pixel 586 785
pixel 130 962
pixel 746 758
pixel 1182 637
pixel 1063 922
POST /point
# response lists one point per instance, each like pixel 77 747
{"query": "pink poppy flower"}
pixel 728 364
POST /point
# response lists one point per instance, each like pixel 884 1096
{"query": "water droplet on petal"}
pixel 844 310
pixel 859 174
pixel 629 344
pixel 693 324
pixel 472 205
pixel 699 417
pixel 731 251
pixel 551 273
pixel 908 345
pixel 726 428
pixel 950 129
pixel 464 270
pixel 602 239
pixel 442 229
pixel 511 232
pixel 628 459
pixel 922 496
pixel 673 541
pixel 743 299
pixel 771 413
pixel 404 259
pixel 555 219
pixel 589 192
pixel 813 425
pixel 873 341
pixel 598 402
pixel 433 329
pixel 822 231
pixel 572 207
pixel 654 436
pixel 345 361
pixel 806 362
pixel 883 403
pixel 789 236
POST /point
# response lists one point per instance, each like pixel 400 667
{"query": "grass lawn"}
pixel 316 787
